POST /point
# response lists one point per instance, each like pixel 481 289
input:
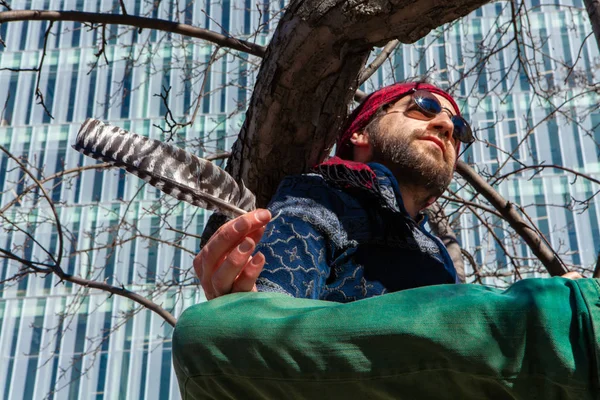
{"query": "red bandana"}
pixel 362 115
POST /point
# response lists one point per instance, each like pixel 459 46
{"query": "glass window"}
pixel 554 141
pixel 78 368
pixel 91 100
pixel 36 340
pixel 10 363
pixel 7 116
pixel 24 35
pixel 50 87
pixel 146 349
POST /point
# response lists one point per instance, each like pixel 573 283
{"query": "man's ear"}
pixel 362 149
pixel 360 139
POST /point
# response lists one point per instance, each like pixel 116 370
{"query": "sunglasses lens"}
pixel 427 103
pixel 430 106
pixel 462 130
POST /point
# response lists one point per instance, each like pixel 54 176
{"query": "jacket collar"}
pixel 372 179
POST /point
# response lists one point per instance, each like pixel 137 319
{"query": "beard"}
pixel 410 166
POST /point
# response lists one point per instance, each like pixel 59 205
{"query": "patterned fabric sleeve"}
pixel 299 242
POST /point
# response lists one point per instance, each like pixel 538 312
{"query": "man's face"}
pixel 419 150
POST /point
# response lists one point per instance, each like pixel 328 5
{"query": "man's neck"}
pixel 414 199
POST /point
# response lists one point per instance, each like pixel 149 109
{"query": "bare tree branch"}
pixel 170 121
pixel 572 68
pixel 59 174
pixel 440 226
pixel 219 156
pixel 457 199
pixel 38 93
pixel 4 108
pixel 184 233
pixel 544 166
pixel 48 199
pixel 498 241
pixel 378 61
pixel 138 22
pixel 537 244
pixel 31 264
pixel 473 263
pixel 102 50
pixel 121 291
pixel 123 9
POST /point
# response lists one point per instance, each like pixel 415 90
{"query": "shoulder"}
pixel 314 190
pixel 314 200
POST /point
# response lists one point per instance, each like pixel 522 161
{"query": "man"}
pixel 352 229
pixel 537 340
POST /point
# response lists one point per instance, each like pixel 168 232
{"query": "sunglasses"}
pixel 430 106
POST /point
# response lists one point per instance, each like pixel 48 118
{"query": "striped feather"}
pixel 168 168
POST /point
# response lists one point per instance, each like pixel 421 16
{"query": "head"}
pixel 389 127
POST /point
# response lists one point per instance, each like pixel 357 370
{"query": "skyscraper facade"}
pixel 62 340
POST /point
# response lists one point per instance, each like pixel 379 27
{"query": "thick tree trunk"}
pixel 309 75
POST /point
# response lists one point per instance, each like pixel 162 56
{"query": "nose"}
pixel 442 124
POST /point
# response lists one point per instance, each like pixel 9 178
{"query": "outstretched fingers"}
pixel 226 276
pixel 246 280
pixel 227 253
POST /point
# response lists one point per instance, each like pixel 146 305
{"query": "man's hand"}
pixel 225 264
pixel 572 275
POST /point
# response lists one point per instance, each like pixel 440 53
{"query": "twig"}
pixel 498 241
pixel 31 264
pixel 173 125
pixel 121 291
pixel 184 233
pixel 473 263
pixel 536 167
pixel 131 238
pixel 49 178
pixel 537 244
pixel 4 108
pixel 440 226
pixel 102 50
pixel 123 9
pixel 50 203
pixel 578 56
pixel 38 92
pixel 465 202
pixel 211 61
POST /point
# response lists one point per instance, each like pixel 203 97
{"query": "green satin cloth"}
pixel 539 339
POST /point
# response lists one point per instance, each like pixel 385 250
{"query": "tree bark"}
pixel 593 9
pixel 309 75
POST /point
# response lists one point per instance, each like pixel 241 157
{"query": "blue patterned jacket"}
pixel 342 234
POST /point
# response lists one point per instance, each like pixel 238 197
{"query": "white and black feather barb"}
pixel 166 167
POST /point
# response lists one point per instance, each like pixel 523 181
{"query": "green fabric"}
pixel 537 340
